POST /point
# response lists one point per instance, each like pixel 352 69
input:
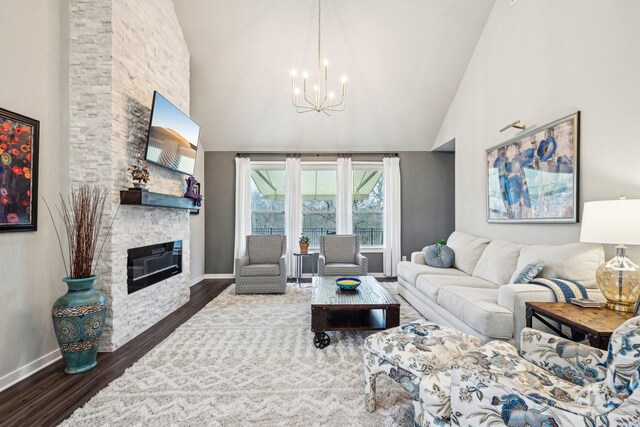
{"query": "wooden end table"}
pixel 596 323
pixel 368 307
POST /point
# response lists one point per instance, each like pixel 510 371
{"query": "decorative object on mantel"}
pixel 304 244
pixel 533 178
pixel 79 315
pixel 19 137
pixel 140 175
pixel 323 99
pixel 615 222
pixel 193 192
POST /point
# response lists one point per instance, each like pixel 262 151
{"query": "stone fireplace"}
pixel 120 52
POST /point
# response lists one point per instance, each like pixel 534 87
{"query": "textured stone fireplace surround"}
pixel 120 52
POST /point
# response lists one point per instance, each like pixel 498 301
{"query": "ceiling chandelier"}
pixel 322 100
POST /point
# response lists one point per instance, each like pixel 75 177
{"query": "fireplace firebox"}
pixel 151 264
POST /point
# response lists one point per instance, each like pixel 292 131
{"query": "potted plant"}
pixel 140 174
pixel 79 315
pixel 304 244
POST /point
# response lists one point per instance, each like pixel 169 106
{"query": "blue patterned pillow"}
pixel 438 256
pixel 529 272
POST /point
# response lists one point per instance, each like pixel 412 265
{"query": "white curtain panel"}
pixel 392 216
pixel 344 198
pixel 292 209
pixel 243 205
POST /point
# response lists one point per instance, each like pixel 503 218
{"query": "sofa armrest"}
pixel 418 258
pixel 514 297
pixel 578 363
pixel 243 261
pixel 321 263
pixel 363 262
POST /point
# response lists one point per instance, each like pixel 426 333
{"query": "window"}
pixel 318 201
pixel 368 204
pixel 267 199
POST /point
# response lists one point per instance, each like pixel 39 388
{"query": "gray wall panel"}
pixel 428 209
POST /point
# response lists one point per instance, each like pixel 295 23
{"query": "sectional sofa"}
pixel 477 294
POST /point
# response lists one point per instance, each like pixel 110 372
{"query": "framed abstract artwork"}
pixel 18 172
pixel 533 178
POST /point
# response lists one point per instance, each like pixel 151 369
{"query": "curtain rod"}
pixel 311 153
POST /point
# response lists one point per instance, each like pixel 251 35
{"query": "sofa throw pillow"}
pixel 438 256
pixel 529 272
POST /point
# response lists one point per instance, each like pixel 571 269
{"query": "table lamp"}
pixel 615 222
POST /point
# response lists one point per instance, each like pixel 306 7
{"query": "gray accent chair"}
pixel 340 256
pixel 261 270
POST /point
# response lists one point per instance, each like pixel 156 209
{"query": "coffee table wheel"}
pixel 321 340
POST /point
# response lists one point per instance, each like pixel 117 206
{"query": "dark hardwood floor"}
pixel 49 396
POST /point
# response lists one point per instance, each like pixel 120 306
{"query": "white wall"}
pixel 33 75
pixel 537 61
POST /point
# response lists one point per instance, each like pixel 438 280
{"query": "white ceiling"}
pixel 404 59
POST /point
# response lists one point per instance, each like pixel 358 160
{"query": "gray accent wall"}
pixel 428 206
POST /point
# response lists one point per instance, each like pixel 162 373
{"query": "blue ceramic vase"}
pixel 78 319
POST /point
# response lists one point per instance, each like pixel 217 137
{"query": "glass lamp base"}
pixel 619 281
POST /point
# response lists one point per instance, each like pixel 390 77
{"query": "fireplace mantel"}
pixel 158 200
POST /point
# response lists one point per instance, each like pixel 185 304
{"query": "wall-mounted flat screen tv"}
pixel 173 137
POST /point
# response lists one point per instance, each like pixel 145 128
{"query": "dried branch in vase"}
pixel 82 213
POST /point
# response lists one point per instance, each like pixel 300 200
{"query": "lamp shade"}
pixel 615 222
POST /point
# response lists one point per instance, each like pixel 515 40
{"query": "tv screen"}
pixel 173 137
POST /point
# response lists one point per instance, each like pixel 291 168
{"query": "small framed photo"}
pixel 19 138
pixel 197 190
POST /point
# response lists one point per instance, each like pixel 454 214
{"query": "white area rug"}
pixel 250 360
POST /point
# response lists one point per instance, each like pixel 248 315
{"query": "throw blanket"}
pixel 564 290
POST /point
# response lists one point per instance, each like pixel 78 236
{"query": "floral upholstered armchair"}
pixel 556 383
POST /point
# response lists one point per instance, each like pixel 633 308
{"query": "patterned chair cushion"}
pixel 260 270
pixel 264 249
pixel 340 249
pixel 420 346
pixel 501 358
pixel 337 269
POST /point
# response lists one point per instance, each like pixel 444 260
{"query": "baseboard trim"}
pixel 219 276
pixel 29 369
pixel 197 279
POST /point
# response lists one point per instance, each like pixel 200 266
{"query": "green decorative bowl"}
pixel 348 283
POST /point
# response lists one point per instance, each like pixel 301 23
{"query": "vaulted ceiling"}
pixel 404 60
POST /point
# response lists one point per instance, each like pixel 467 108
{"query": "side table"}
pixel 596 323
pixel 299 263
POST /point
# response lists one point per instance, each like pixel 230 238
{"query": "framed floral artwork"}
pixel 18 172
pixel 533 178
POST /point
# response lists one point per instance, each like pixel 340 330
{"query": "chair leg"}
pixel 371 372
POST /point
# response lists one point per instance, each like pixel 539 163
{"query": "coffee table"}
pixel 369 307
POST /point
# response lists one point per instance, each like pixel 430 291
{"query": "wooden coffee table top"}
pixel 370 294
pixel 597 321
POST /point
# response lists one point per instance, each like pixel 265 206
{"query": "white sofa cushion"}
pixel 410 271
pixel 573 261
pixel 479 309
pixel 467 249
pixel 430 284
pixel 498 262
